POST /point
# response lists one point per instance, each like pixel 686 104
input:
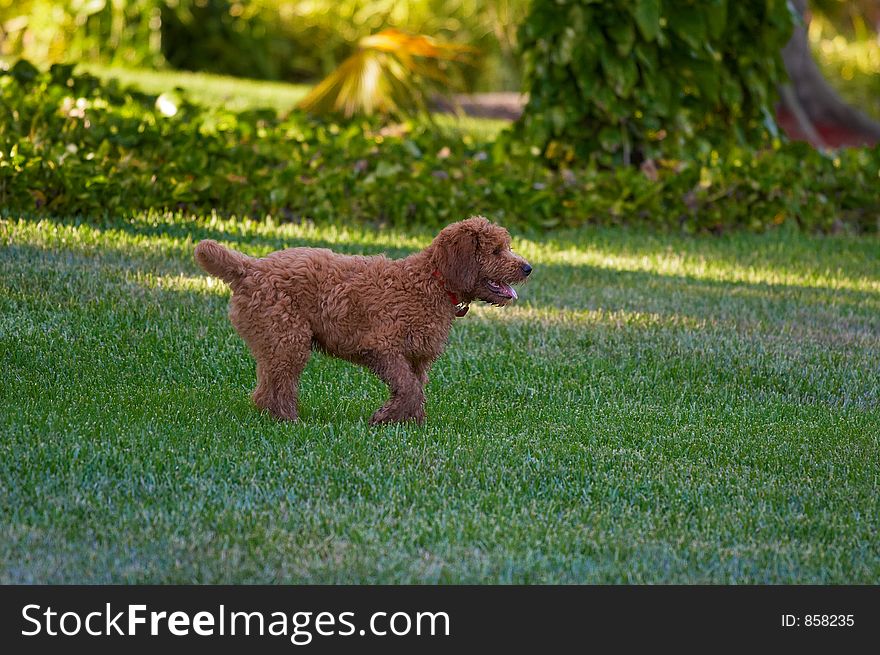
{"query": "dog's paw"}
pixel 283 414
pixel 387 415
pixel 280 412
pixel 282 409
pixel 381 416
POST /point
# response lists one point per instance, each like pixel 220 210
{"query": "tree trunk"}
pixel 819 102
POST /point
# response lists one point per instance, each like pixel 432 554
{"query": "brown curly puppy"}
pixel 392 316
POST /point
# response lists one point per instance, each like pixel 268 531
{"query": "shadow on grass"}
pixel 589 288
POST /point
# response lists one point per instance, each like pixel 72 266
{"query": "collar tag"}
pixel 460 308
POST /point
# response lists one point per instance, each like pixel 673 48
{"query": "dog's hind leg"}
pixel 407 401
pixel 279 366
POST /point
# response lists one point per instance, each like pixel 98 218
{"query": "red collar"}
pixel 460 308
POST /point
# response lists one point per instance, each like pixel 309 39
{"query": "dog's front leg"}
pixel 407 401
pixel 420 368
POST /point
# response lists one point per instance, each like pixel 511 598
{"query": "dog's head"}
pixel 476 262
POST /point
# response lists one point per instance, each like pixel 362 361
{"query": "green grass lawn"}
pixel 232 93
pixel 238 94
pixel 654 409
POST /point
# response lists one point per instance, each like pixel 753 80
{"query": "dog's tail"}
pixel 229 265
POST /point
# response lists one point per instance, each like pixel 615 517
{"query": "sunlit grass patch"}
pixel 183 283
pixel 231 93
pixel 703 261
pixel 546 315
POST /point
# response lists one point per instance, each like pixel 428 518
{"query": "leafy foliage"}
pixel 619 82
pixel 70 144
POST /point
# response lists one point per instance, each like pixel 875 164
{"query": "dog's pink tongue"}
pixel 510 291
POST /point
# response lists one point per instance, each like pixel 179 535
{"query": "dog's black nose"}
pixel 526 269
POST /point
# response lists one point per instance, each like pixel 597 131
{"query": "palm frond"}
pixel 392 72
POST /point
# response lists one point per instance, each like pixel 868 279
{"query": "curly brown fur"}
pixel 392 316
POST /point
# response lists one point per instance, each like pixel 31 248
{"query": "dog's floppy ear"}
pixel 455 257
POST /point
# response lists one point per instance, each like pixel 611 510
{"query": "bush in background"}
pixel 621 82
pixel 72 145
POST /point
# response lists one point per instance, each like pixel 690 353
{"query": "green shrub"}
pixel 72 145
pixel 619 82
